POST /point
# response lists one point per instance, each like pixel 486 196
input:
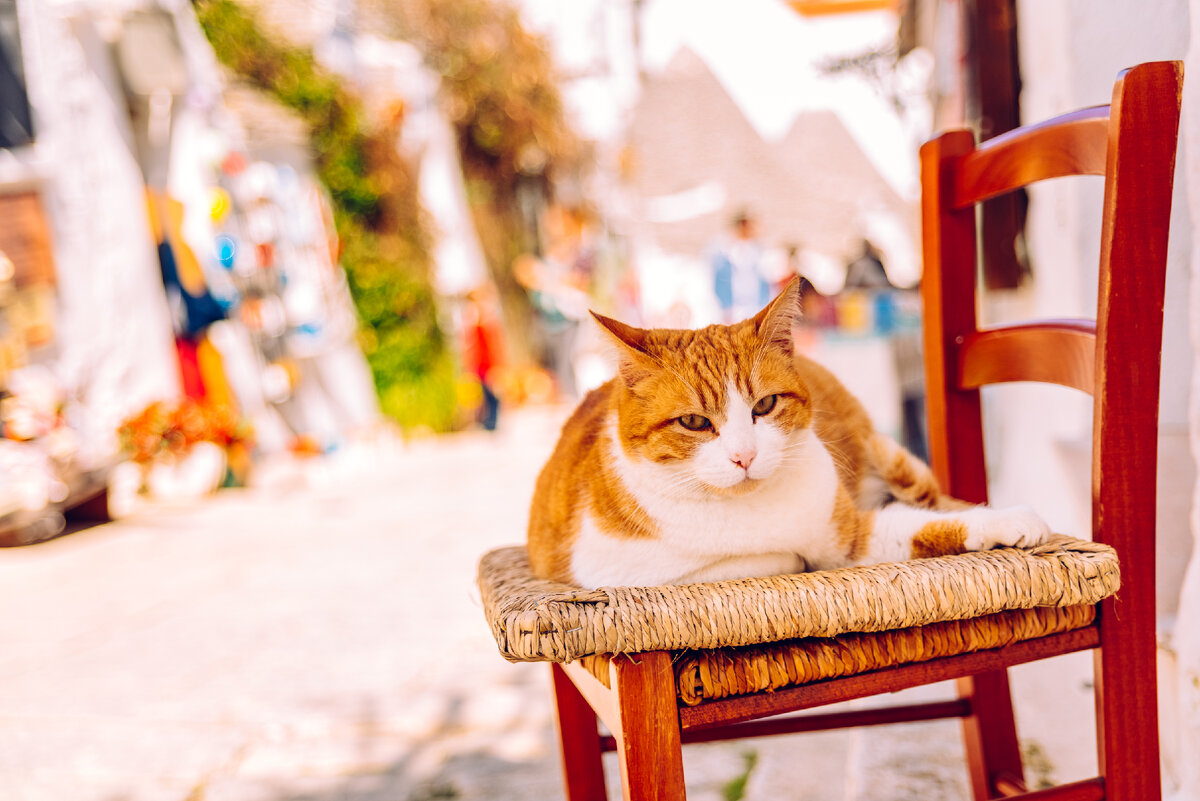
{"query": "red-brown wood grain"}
pixel 649 748
pixel 1018 353
pixel 1086 790
pixel 990 732
pixel 1137 136
pixel 1133 253
pixel 790 724
pixel 600 698
pixel 583 769
pixel 949 249
pixel 888 680
pixel 1072 144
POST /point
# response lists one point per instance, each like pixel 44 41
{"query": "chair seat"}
pixel 537 620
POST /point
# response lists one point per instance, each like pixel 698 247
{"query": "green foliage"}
pixel 385 242
pixel 735 788
pixel 500 82
pixel 428 402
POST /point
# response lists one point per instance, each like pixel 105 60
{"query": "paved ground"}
pixel 320 638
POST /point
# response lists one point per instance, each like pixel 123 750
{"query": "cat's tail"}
pixel 907 478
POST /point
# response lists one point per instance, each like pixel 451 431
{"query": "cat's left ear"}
pixel 775 322
pixel 630 342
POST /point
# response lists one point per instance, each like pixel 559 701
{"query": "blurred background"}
pixel 296 293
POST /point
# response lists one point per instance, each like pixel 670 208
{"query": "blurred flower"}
pixel 172 429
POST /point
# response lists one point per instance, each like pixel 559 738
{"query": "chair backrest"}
pixel 1116 357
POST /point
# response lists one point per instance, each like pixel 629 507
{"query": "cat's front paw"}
pixel 1017 526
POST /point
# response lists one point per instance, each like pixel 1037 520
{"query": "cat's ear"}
pixel 630 344
pixel 775 322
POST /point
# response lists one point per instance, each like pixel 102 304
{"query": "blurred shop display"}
pixel 291 358
pixel 44 469
pixel 156 284
pixel 180 451
pixel 38 450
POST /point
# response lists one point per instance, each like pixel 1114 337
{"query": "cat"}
pixel 722 453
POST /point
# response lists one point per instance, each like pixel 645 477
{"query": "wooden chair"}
pixel 710 662
pixel 1116 358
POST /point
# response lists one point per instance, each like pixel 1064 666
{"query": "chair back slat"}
pixel 1131 143
pixel 1133 257
pixel 948 243
pixel 1072 144
pixel 1018 353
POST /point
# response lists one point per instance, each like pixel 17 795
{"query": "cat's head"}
pixel 721 408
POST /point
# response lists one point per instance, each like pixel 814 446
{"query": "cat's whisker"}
pixel 678 487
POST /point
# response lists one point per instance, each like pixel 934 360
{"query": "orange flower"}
pixel 163 428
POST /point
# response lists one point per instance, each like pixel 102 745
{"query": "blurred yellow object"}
pixel 212 372
pixel 219 203
pixel 158 207
pixel 854 312
pixel 819 8
pixel 12 356
pixel 152 215
pixel 468 394
pixel 191 276
pixel 240 462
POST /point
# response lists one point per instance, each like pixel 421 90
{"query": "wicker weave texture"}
pixel 725 672
pixel 537 620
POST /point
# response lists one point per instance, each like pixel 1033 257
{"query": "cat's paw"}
pixel 1016 526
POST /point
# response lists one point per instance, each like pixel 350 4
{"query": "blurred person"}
pixel 738 271
pixel 908 356
pixel 866 271
pixel 871 300
pixel 483 347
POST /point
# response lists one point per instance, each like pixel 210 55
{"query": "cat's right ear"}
pixel 775 322
pixel 629 343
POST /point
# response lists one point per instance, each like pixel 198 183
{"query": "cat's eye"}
pixel 695 422
pixel 765 405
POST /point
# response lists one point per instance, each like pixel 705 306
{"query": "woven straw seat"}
pixel 737 637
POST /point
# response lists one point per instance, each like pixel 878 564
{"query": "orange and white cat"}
pixel 721 453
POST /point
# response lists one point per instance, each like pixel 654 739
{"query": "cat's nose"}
pixel 743 459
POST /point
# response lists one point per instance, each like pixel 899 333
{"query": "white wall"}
pixel 1071 51
pixel 83 163
pixel 1184 670
pixel 1070 54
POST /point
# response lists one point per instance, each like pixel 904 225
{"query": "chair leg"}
pixel 990 734
pixel 1127 710
pixel 579 737
pixel 648 737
